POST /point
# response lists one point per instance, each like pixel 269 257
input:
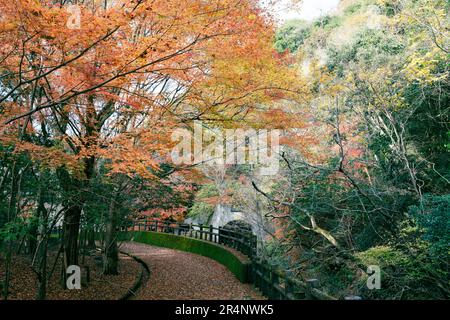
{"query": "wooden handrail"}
pixel 274 283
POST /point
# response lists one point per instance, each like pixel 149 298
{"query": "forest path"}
pixel 180 275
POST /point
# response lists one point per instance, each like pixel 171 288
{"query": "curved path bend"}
pixel 185 276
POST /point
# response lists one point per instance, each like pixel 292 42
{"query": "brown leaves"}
pixel 24 282
pixel 185 276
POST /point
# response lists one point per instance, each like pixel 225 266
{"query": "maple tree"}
pixel 111 90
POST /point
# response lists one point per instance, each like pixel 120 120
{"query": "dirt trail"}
pixel 180 275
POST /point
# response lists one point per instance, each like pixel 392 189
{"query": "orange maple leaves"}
pixel 116 87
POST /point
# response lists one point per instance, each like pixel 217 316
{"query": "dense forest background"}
pixel 379 75
pixel 361 96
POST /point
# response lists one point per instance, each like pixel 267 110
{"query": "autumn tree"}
pixel 111 89
pixel 376 181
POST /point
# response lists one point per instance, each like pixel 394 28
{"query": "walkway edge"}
pixel 145 273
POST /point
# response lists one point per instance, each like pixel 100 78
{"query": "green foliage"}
pixel 391 84
pixel 407 272
pixel 369 47
pixel 16 230
pixel 13 231
pixel 383 256
pixel 428 129
pixel 352 9
pixel 415 264
pixel 447 145
pixel 274 251
pixel 202 210
pixel 434 218
pixel 291 35
pixel 327 22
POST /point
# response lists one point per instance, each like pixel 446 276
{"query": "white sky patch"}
pixel 305 10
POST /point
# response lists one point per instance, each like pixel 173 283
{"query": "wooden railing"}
pixel 272 282
pixel 278 285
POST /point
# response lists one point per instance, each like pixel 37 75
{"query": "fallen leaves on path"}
pixel 180 275
pixel 24 284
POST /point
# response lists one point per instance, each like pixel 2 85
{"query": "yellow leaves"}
pixel 7 26
pixel 427 22
pixel 421 67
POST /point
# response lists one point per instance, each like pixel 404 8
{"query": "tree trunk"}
pixel 12 205
pixel 42 290
pixel 74 207
pixel 32 239
pixel 71 231
pixel 40 213
pixel 91 239
pixel 111 252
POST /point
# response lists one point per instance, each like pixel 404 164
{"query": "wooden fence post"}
pixel 254 245
pixel 219 240
pixel 256 275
